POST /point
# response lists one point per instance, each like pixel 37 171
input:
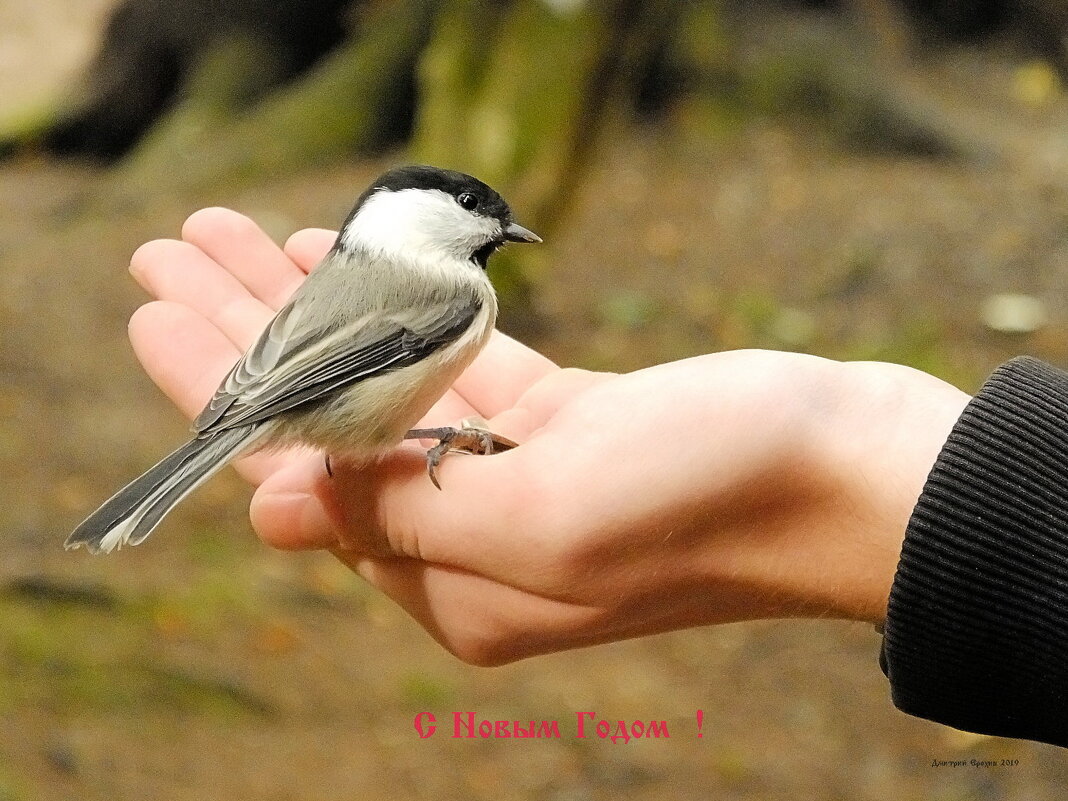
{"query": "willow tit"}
pixel 376 334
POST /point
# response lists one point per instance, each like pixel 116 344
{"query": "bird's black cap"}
pixel 490 203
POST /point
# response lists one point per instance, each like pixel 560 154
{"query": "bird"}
pixel 380 329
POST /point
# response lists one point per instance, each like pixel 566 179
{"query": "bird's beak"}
pixel 517 233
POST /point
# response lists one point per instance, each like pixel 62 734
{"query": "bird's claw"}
pixel 468 438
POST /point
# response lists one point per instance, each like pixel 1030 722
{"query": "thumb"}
pixel 289 510
pixel 389 508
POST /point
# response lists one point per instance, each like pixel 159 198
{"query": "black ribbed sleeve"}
pixel 976 635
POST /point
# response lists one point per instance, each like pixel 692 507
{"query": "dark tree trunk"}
pixel 151 47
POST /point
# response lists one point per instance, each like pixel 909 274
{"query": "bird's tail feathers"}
pixel 132 513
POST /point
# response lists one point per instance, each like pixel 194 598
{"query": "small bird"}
pixel 376 334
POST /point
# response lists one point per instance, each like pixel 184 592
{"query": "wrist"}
pixel 877 442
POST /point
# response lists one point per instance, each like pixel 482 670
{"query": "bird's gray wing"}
pixel 297 359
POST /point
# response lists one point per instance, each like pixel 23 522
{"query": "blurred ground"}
pixel 202 665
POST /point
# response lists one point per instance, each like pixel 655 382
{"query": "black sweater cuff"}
pixel 976 635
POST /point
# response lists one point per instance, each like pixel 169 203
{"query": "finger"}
pixel 243 249
pixel 186 356
pixel 518 424
pixel 182 352
pixel 290 510
pixel 483 519
pixel 501 374
pixel 543 400
pixel 475 523
pixel 181 272
pixel 301 507
pixel 306 248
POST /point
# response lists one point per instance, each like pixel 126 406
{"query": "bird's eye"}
pixel 468 201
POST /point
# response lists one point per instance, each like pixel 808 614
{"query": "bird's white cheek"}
pixel 418 224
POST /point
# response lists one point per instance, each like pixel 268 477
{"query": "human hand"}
pixel 732 486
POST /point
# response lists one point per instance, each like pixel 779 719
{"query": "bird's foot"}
pixel 471 437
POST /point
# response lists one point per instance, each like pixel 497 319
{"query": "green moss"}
pixel 24 125
pixel 628 309
pixel 758 311
pixel 211 546
pixel 916 341
pixel 63 654
pixel 423 691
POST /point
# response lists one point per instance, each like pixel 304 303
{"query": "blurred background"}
pixel 862 179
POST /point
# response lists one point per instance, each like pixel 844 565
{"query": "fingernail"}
pixel 317 523
pixel 294 520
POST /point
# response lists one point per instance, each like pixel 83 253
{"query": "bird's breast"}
pixel 373 415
